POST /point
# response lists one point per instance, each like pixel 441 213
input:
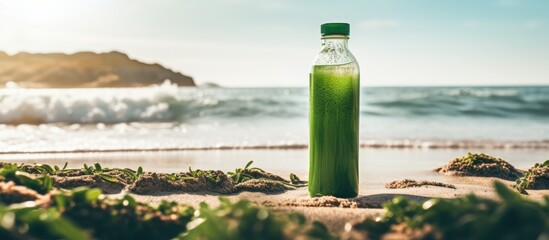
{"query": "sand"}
pixel 337 212
pixel 407 183
pixel 479 164
pixel 377 167
pixel 16 194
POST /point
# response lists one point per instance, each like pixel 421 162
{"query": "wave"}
pixel 500 102
pixel 169 103
pixel 456 144
pixel 392 144
pixel 36 106
pixel 160 103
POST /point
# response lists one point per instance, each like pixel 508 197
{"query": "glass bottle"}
pixel 334 88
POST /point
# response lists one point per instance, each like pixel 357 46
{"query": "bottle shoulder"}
pixel 334 56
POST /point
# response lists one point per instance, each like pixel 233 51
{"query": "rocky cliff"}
pixel 83 69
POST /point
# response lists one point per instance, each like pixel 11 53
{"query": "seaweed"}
pixel 482 165
pixel 114 180
pixel 111 180
pixel 243 220
pixel 28 221
pixel 537 177
pixel 241 175
pixel 210 175
pixel 91 210
pixel 122 175
pixel 242 179
pixel 468 217
pixel 41 183
pixel 406 183
pixel 86 213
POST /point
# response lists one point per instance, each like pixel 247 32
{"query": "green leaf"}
pixel 61 201
pixel 246 175
pixel 505 193
pixel 47 184
pixel 171 177
pixel 237 177
pixel 131 201
pixel 108 178
pixel 67 230
pixel 125 171
pixel 44 168
pixel 248 164
pixel 92 194
pixel 39 184
pixel 98 167
pixel 80 195
pixel 47 224
pixel 211 180
pixel 89 170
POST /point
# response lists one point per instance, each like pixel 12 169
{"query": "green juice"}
pixel 334 120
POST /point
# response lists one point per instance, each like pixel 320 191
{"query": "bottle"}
pixel 334 89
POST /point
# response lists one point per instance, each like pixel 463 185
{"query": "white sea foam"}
pixel 18 105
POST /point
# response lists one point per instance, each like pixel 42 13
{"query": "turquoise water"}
pixel 168 117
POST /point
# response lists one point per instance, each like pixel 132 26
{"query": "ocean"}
pixel 168 117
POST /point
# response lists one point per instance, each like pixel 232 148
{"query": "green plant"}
pixel 210 175
pixel 28 221
pixel 125 175
pixel 243 220
pixel 84 213
pixel 526 181
pixel 239 175
pixel 175 177
pixel 92 211
pixel 467 217
pixel 479 158
pixel 43 168
pixel 41 183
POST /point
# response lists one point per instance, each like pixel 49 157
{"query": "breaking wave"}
pixel 169 103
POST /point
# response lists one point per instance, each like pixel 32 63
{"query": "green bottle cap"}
pixel 334 29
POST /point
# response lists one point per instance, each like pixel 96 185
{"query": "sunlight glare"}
pixel 39 13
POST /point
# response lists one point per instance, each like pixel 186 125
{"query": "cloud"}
pixel 375 24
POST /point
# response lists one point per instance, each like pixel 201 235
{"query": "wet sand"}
pixel 377 167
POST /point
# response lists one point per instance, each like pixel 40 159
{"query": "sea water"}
pixel 168 117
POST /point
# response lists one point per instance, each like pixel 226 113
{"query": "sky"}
pixel 271 43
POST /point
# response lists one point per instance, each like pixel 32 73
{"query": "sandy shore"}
pixel 377 167
pixel 337 212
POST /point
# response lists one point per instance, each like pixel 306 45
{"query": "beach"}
pixel 377 167
pixel 241 120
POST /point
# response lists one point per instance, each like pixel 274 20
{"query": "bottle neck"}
pixel 335 41
pixel 334 51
